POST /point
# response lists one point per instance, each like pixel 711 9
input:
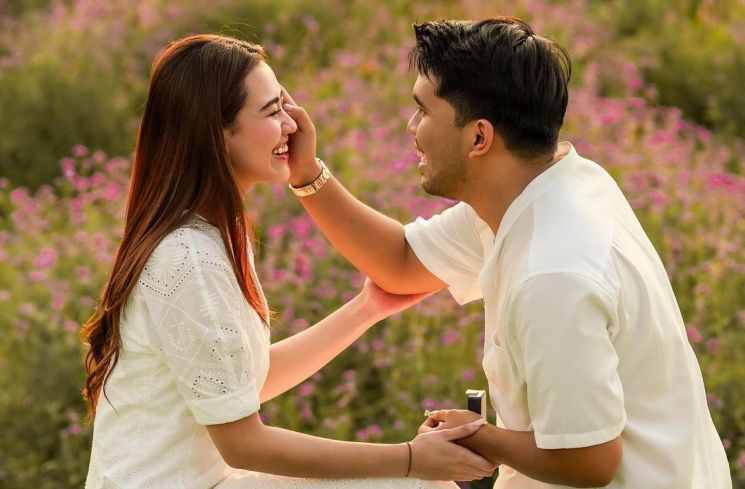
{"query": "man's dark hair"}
pixel 498 69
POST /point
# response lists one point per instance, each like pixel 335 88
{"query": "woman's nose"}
pixel 289 125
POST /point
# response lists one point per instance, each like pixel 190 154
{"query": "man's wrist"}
pixel 305 174
pixel 483 442
pixel 314 186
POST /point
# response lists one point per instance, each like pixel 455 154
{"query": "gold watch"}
pixel 316 184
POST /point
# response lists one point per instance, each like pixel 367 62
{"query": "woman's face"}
pixel 257 142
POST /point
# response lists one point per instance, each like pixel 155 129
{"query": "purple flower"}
pixel 429 404
pixel 713 345
pixel 306 389
pixel 306 411
pixel 70 325
pixel 47 257
pixel 79 150
pixel 694 336
pixel 374 430
pixel 713 401
pixel 450 336
pixel 468 374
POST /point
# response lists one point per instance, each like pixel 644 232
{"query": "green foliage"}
pixel 41 120
pixel 691 51
pixel 17 8
pixel 73 87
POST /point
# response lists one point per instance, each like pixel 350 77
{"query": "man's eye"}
pixel 276 112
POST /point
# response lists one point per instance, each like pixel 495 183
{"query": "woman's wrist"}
pixel 369 309
pixel 410 459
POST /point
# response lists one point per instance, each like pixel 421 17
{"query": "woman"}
pixel 180 340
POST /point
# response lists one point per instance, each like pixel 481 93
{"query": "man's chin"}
pixel 431 189
pixel 444 191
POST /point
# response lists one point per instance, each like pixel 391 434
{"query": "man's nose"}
pixel 413 123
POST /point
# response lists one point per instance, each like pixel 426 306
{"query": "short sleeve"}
pixel 559 327
pixel 450 246
pixel 197 318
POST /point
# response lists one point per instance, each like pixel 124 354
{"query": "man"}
pixel 589 368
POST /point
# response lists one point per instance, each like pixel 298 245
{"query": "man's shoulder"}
pixel 565 233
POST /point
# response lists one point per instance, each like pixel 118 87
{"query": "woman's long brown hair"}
pixel 181 167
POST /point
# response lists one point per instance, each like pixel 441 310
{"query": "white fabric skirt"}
pixel 244 479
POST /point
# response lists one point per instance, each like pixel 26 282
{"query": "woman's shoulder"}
pixel 194 245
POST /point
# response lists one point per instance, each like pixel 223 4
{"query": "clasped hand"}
pixel 436 455
pixel 447 418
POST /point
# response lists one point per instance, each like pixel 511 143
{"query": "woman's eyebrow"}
pixel 273 101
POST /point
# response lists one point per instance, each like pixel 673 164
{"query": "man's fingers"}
pixel 286 95
pixel 479 464
pixel 438 415
pixel 428 425
pixel 463 430
pixel 297 113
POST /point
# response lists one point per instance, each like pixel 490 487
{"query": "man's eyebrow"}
pixel 419 102
pixel 273 101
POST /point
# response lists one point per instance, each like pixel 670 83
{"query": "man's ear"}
pixel 482 137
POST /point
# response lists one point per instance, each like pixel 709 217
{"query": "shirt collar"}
pixel 534 189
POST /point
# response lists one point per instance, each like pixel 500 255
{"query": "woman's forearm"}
pixel 249 444
pixel 296 358
pixel 295 454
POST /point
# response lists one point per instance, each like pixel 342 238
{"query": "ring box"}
pixel 476 401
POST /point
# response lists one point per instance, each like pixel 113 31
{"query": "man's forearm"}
pixel 373 242
pixel 578 467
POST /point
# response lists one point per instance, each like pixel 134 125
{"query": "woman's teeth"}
pixel 280 150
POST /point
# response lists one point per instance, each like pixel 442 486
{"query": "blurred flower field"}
pixel 72 81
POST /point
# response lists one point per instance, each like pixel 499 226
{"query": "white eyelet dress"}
pixel 194 353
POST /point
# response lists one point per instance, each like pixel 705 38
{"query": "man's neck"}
pixel 500 181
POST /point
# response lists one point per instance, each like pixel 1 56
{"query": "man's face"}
pixel 439 142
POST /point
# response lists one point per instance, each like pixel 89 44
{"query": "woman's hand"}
pixel 302 143
pixel 447 419
pixel 436 457
pixel 382 304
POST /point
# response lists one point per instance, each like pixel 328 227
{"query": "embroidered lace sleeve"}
pixel 199 324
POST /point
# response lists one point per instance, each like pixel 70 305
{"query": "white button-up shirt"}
pixel 584 338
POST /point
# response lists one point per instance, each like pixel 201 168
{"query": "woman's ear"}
pixel 227 134
pixel 482 137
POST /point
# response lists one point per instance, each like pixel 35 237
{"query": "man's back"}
pixel 578 244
